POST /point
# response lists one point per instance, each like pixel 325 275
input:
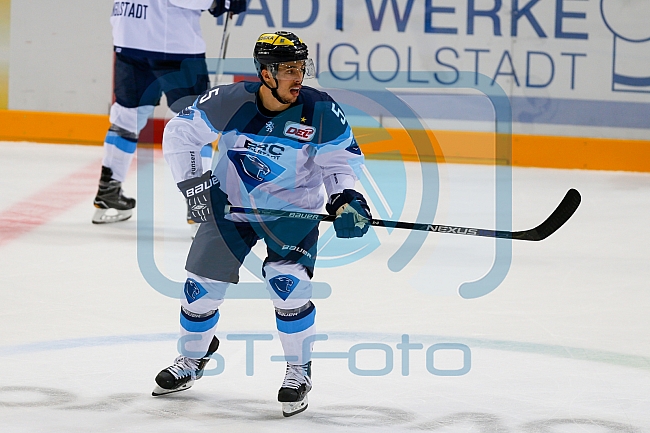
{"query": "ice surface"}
pixel 562 345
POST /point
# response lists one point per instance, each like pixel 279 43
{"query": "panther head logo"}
pixel 255 168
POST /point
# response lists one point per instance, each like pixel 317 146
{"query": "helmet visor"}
pixel 296 70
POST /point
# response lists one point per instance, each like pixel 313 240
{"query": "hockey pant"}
pixel 290 288
pixel 122 138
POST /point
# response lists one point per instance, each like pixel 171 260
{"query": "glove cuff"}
pixel 197 185
pixel 345 197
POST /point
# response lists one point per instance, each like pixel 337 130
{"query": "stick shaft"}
pixel 560 215
pixel 224 47
pixel 437 228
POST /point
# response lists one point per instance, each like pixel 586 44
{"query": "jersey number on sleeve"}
pixel 210 94
pixel 339 113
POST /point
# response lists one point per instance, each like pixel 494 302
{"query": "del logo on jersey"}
pixel 301 132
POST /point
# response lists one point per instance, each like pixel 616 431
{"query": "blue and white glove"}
pixel 205 200
pixel 220 6
pixel 352 214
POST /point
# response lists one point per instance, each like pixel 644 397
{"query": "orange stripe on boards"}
pixel 430 146
pixel 67 128
pixel 45 127
pixel 392 143
pixel 50 202
pixel 581 152
pixel 381 143
pixel 518 150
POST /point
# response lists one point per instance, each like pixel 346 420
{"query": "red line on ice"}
pixel 50 202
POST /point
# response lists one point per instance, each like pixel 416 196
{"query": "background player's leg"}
pixel 128 116
pixel 119 147
pixel 122 137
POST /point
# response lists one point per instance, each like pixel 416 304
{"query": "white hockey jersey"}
pixel 265 161
pixel 152 28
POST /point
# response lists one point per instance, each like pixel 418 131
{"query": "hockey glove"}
pixel 352 214
pixel 205 200
pixel 220 6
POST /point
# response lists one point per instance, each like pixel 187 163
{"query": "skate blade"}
pixel 295 407
pixel 158 391
pixel 102 216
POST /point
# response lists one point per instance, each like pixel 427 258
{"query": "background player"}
pixel 158 49
pixel 280 143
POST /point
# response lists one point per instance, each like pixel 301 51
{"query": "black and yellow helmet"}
pixel 272 49
pixel 278 47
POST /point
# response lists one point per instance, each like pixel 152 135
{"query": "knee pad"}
pixel 288 284
pixel 133 119
pixel 199 314
pixel 201 295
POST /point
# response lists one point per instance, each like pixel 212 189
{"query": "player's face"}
pixel 289 77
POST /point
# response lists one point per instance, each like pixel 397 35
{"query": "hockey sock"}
pixel 119 147
pixel 295 329
pixel 199 314
pixel 291 289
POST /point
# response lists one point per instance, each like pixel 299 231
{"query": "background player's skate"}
pixel 112 206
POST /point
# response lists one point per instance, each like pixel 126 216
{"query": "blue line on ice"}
pixel 558 351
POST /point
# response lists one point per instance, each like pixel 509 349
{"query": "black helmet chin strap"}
pixel 274 90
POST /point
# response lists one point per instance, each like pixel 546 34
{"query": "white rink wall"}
pixel 579 68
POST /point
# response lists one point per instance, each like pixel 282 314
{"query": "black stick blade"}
pixel 560 215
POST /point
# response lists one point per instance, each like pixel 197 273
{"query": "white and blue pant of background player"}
pixel 139 83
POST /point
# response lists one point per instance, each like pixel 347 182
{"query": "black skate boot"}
pixel 296 385
pixel 182 374
pixel 109 196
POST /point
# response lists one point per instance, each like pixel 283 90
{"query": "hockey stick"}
pixel 560 215
pixel 225 37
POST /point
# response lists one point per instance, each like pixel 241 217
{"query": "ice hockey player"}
pixel 281 143
pixel 158 49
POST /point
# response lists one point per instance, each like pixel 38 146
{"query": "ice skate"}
pixel 296 385
pixel 183 373
pixel 111 204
